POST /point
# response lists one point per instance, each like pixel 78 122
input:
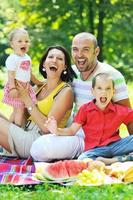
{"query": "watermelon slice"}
pixel 63 170
pixel 74 167
pixel 55 171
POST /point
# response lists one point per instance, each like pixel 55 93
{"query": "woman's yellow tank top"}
pixel 45 105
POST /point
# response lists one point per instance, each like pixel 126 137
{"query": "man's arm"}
pixel 130 128
pixel 126 102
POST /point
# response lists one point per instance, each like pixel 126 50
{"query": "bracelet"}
pixel 30 108
pixel 14 88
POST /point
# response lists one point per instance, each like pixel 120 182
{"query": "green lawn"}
pixel 56 192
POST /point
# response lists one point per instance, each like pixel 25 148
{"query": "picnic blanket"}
pixel 17 171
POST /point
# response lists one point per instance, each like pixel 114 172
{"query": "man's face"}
pixel 84 53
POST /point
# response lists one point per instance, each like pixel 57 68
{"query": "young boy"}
pixel 100 120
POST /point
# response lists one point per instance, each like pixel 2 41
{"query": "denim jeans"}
pixel 121 147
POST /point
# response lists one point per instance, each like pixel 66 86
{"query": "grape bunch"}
pixel 93 177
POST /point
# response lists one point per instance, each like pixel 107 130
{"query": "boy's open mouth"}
pixel 103 99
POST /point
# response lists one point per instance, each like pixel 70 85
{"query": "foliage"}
pixel 57 21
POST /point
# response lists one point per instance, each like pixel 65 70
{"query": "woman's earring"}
pixel 43 69
pixel 64 72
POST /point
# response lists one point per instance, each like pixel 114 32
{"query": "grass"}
pixel 56 192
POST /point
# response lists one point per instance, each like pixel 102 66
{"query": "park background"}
pixel 56 22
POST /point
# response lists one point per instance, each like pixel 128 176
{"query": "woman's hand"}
pixel 23 91
pixel 38 117
pixel 51 125
pixel 13 93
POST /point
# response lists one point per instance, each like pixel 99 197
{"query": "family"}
pixel 92 93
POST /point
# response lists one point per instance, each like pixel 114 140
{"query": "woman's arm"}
pixel 36 115
pixel 62 103
pixel 35 80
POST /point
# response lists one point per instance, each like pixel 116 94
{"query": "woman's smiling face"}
pixel 55 62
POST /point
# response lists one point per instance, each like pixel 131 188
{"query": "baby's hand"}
pixel 13 93
pixel 40 83
pixel 51 125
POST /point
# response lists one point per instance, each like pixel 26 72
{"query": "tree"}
pixel 57 21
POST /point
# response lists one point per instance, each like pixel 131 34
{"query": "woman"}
pixel 50 147
pixel 54 98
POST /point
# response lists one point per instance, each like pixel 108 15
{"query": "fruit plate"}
pixel 40 177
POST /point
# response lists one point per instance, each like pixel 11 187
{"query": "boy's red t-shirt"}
pixel 101 127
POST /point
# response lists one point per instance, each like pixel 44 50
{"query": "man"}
pixel 85 51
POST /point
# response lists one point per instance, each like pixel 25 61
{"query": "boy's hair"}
pixel 104 76
pixel 14 31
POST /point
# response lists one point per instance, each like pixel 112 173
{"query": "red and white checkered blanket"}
pixel 17 171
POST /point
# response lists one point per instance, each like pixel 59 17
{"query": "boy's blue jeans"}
pixel 121 147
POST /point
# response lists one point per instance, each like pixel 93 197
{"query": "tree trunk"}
pixel 100 35
pixel 91 15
